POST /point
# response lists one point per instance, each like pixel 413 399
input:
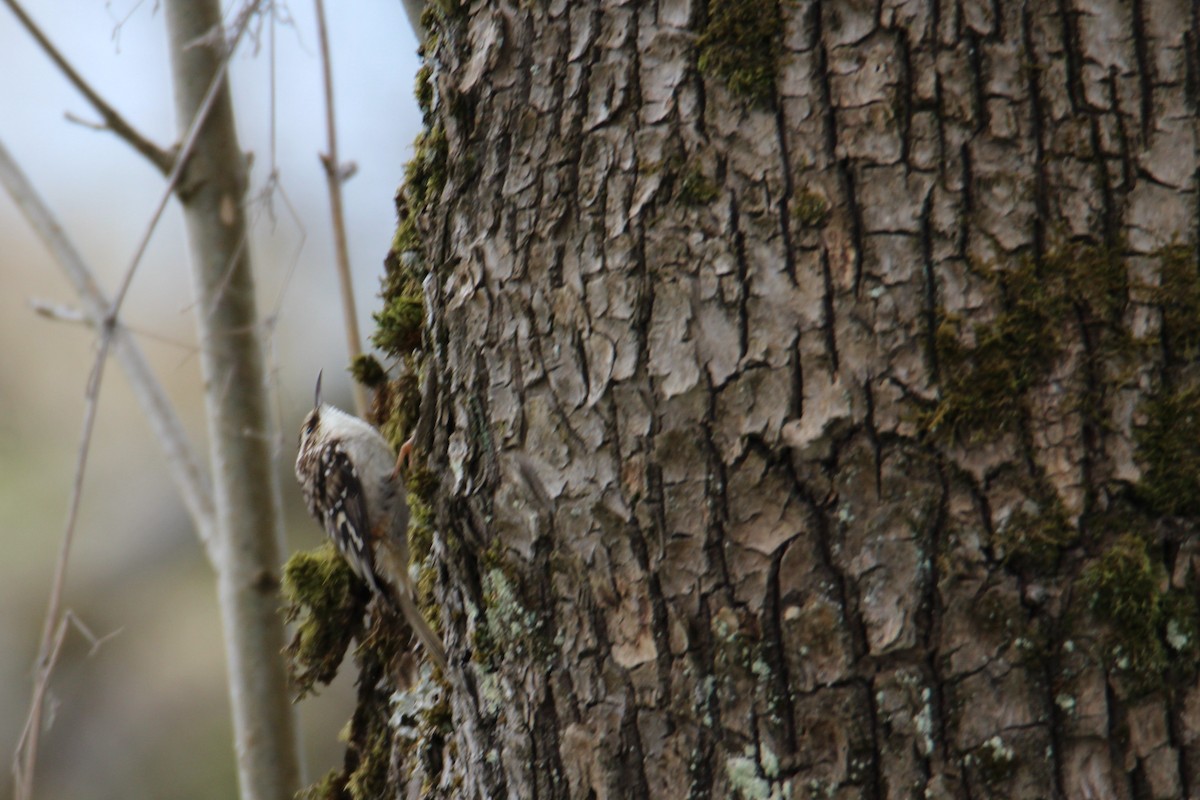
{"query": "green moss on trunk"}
pixel 741 43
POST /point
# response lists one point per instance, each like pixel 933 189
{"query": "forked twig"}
pixel 184 464
pixel 113 121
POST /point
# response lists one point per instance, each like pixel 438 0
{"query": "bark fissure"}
pixel 1191 44
pixel 658 608
pixel 701 771
pixel 1110 213
pixel 1054 717
pixel 846 601
pixel 929 294
pixel 772 622
pixel 1177 741
pixel 979 113
pixel 932 629
pixel 1037 134
pixel 784 207
pixel 739 250
pixel 847 179
pixel 873 435
pixel 1145 68
pixel 829 308
pixel 545 762
pixel 1068 19
pixel 725 329
pixel 904 96
pixel 963 239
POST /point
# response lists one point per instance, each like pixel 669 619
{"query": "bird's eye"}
pixel 310 426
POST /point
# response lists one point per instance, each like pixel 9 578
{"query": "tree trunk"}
pixel 818 408
pixel 248 546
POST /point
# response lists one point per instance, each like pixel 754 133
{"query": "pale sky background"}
pixel 150 705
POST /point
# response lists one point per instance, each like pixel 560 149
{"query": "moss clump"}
pixel 1181 630
pixel 431 16
pixel 422 483
pixel 1169 449
pixel 367 370
pixel 450 8
pixel 1034 538
pixel 423 89
pixel 399 325
pixel 420 529
pixel 983 385
pixel 697 189
pixel 810 208
pixel 1122 586
pixel 327 600
pixel 403 407
pixel 369 778
pixel 424 178
pixel 1122 589
pixel 741 43
pixel 378 725
pixel 329 787
pixel 425 175
pixel 1090 279
pixel 405 253
pixel 1178 295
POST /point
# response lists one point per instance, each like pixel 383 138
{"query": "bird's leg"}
pixel 402 459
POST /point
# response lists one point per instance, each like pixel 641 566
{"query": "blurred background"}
pixel 146 713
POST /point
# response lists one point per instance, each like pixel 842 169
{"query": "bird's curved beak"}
pixel 317 393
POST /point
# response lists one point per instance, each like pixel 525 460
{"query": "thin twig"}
pixel 94 642
pixel 54 628
pixel 84 123
pixel 58 312
pixel 69 619
pixel 160 158
pixel 334 178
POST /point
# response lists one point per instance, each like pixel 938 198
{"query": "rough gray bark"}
pixel 855 344
pixel 248 544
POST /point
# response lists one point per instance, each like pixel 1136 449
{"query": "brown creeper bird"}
pixel 350 481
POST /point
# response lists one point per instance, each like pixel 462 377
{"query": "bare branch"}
pixel 186 469
pixel 333 177
pixel 185 152
pixel 113 121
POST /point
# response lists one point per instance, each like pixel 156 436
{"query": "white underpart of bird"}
pixel 347 473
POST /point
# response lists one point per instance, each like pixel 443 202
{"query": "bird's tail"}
pixel 400 601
